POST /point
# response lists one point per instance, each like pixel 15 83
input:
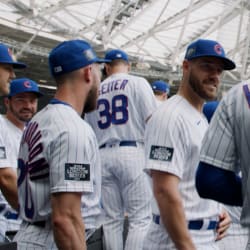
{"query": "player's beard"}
pixel 19 115
pixel 199 87
pixel 91 102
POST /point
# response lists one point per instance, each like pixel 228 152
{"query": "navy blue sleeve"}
pixel 218 184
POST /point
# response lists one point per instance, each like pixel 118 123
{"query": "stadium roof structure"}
pixel 155 33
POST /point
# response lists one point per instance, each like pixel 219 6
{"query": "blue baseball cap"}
pixel 22 85
pixel 71 55
pixel 116 54
pixel 208 48
pixel 161 86
pixel 6 57
pixel 209 109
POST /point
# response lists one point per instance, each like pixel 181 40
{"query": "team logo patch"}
pixel 218 49
pixel 191 52
pixel 161 153
pixel 89 54
pixel 77 172
pixel 27 84
pixel 57 69
pixel 2 153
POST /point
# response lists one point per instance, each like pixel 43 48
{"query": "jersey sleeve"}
pixel 71 162
pixel 5 160
pixel 218 148
pixel 164 144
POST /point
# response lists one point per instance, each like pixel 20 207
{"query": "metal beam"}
pixel 166 23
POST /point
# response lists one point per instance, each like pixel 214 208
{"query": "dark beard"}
pixel 196 86
pixel 19 117
pixel 91 102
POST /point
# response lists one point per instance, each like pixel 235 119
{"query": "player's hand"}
pixel 224 223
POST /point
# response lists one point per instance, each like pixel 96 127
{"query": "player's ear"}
pixel 107 69
pixel 185 64
pixel 6 101
pixel 86 73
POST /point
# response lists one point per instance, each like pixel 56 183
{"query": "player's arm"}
pixel 218 184
pixel 8 186
pixel 166 192
pixel 67 222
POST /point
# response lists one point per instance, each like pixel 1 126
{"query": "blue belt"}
pixel 192 224
pixel 121 144
pixel 8 214
pixel 11 216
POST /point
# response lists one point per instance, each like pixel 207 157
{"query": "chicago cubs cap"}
pixel 209 109
pixel 116 54
pixel 7 57
pixel 210 48
pixel 71 55
pixel 161 86
pixel 22 85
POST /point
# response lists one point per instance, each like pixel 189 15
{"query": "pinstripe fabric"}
pixel 140 103
pixel 227 141
pixel 11 136
pixel 55 137
pixel 4 161
pixel 125 103
pixel 125 189
pixel 180 127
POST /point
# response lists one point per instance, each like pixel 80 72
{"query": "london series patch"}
pixel 2 153
pixel 77 172
pixel 161 153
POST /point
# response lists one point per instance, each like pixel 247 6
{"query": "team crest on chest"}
pixel 77 172
pixel 161 153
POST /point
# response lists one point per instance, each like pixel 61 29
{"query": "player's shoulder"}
pixel 3 123
pixel 234 95
pixel 171 110
pixel 2 119
pixel 238 88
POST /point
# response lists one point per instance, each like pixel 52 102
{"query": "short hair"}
pixel 117 62
pixel 60 79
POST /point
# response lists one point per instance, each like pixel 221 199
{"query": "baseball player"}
pixel 7 65
pixel 237 236
pixel 161 91
pixel 21 105
pixel 59 175
pixel 181 219
pixel 228 135
pixel 125 103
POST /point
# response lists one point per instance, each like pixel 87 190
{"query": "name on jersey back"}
pixel 117 84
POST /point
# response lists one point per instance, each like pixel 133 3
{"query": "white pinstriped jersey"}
pixel 10 140
pixel 5 161
pixel 172 141
pixel 227 140
pixel 58 153
pixel 125 102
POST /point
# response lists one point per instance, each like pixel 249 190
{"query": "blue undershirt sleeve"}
pixel 218 184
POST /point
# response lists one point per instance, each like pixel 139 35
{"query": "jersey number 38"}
pixel 113 112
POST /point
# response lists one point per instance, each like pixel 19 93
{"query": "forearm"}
pixel 69 234
pixel 174 220
pixel 8 186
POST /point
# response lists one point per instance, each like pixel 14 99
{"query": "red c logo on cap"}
pixel 10 52
pixel 218 49
pixel 26 84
